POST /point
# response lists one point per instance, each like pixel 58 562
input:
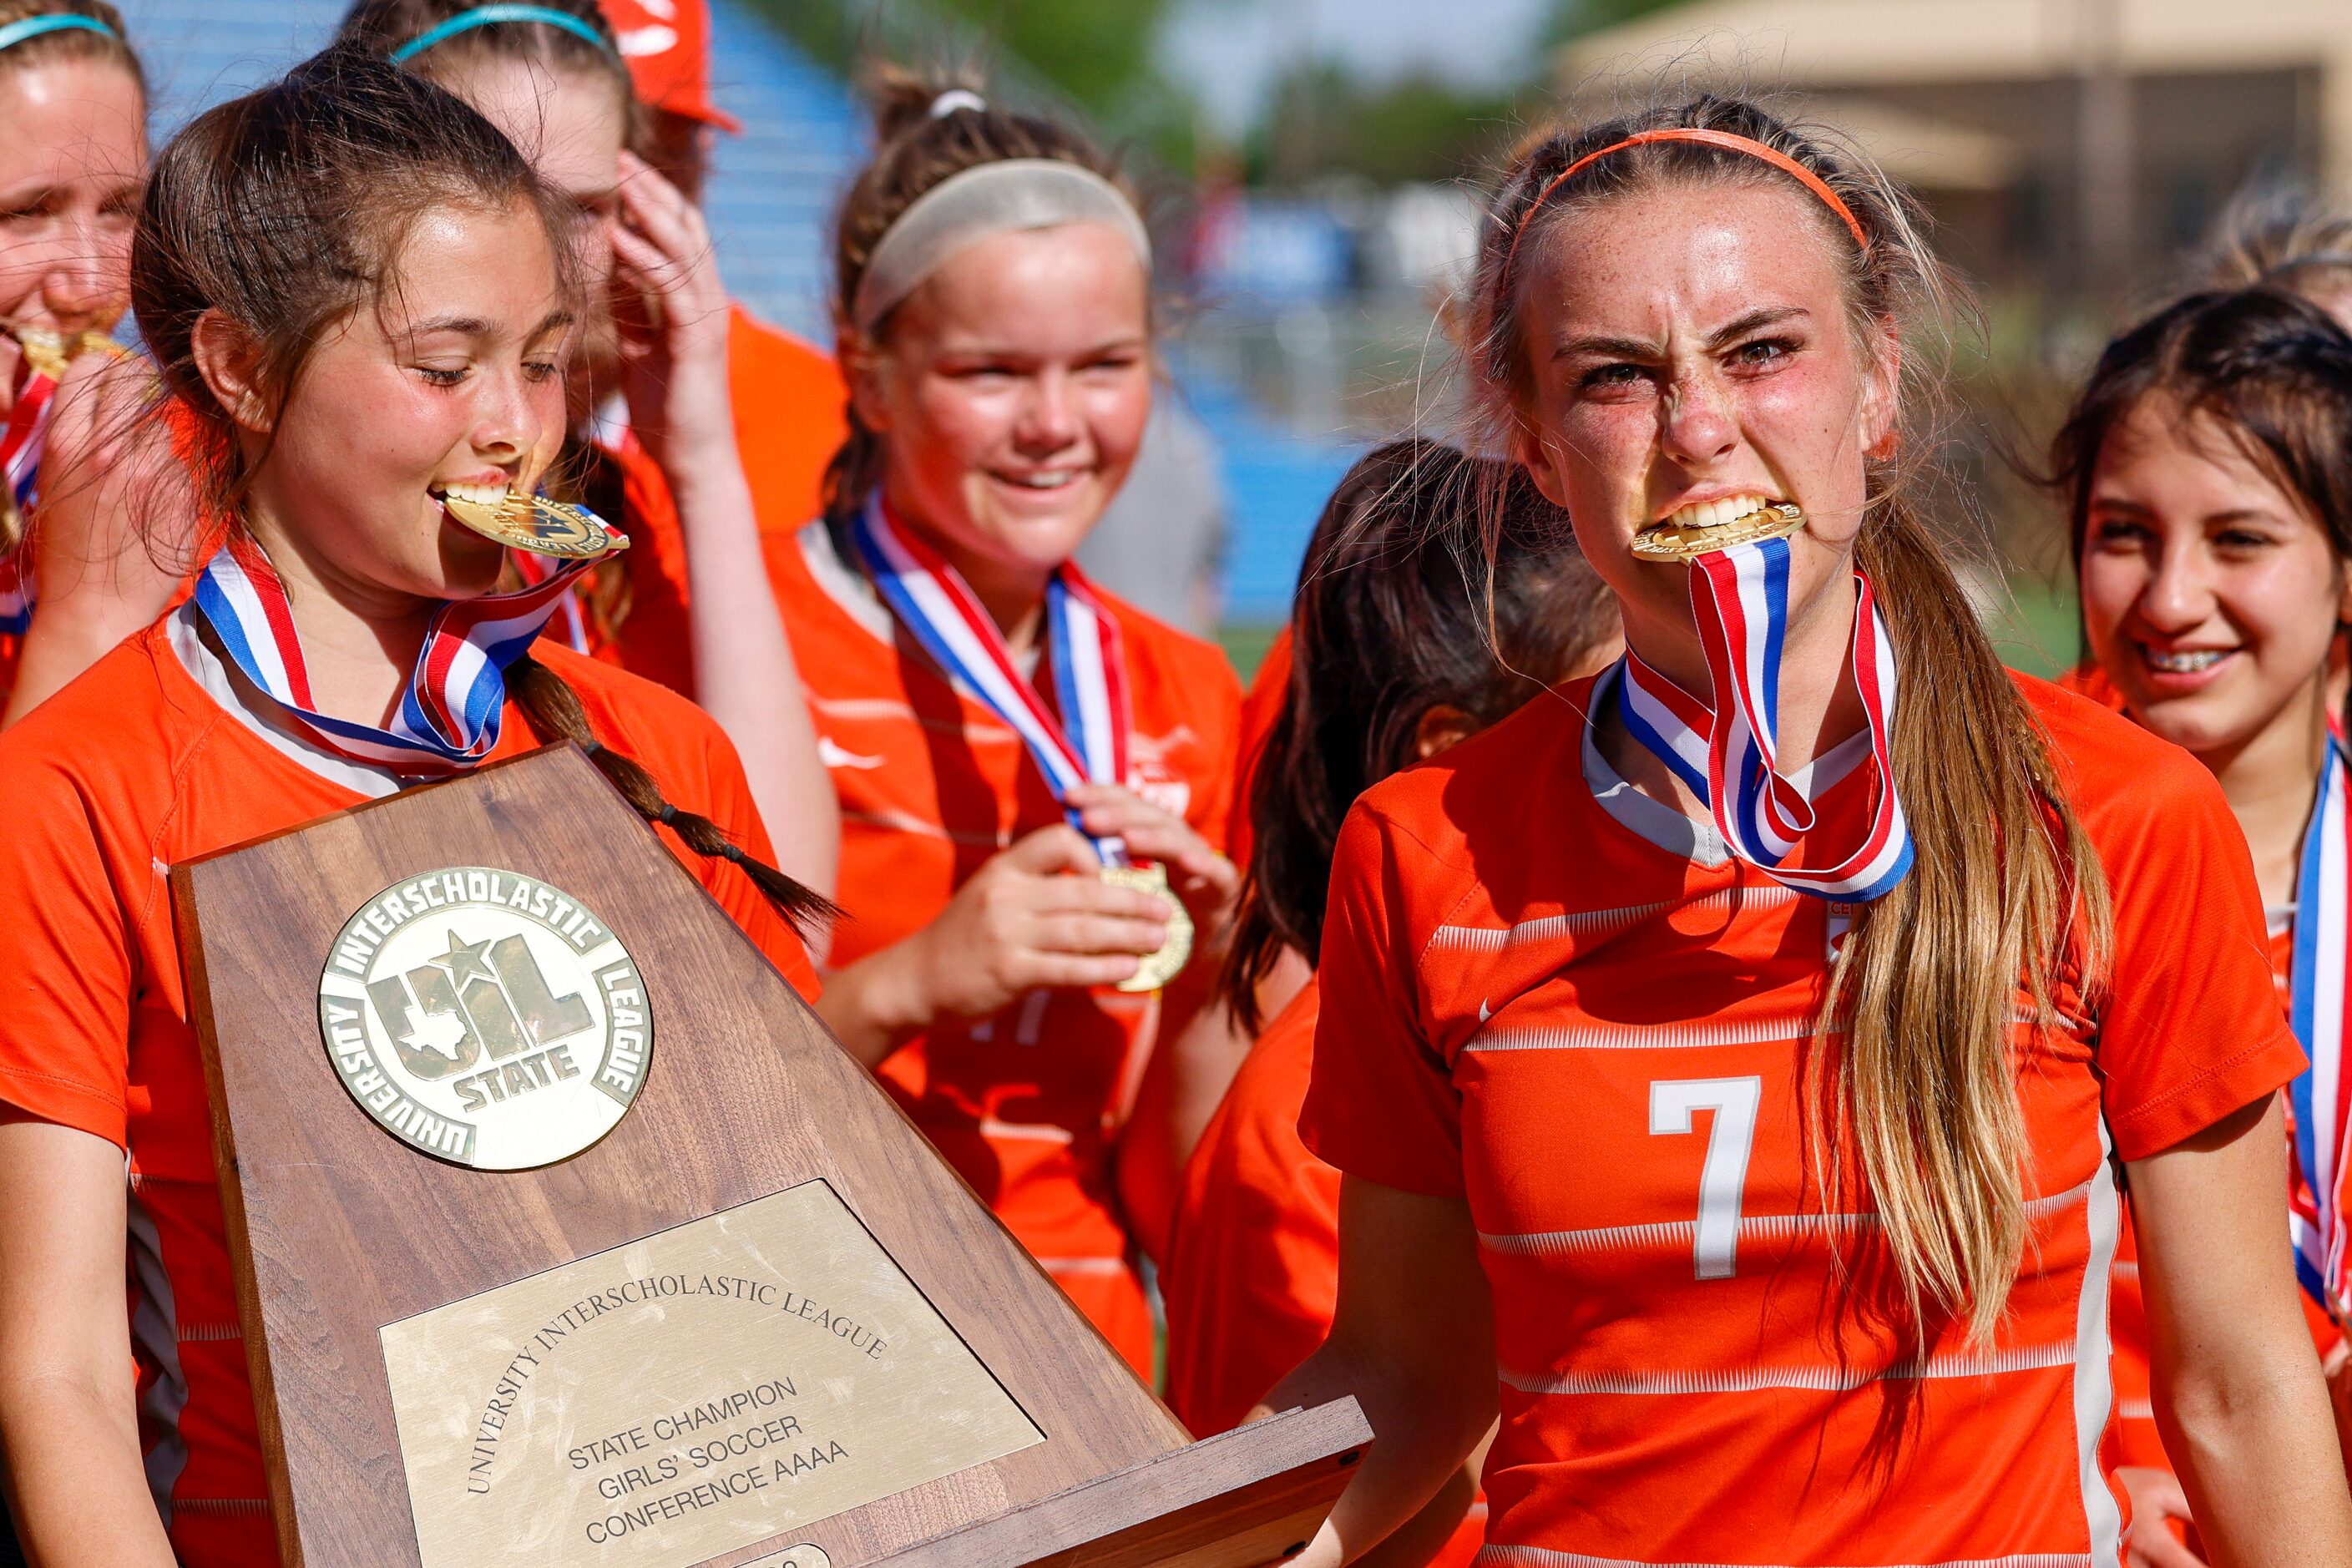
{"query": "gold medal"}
pixel 1667 542
pixel 1157 968
pixel 49 353
pixel 535 524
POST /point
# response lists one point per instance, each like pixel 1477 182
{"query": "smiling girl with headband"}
pixel 688 605
pixel 73 153
pixel 1000 730
pixel 1730 1060
pixel 388 332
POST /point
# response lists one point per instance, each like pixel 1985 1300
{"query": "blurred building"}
pixel 2065 144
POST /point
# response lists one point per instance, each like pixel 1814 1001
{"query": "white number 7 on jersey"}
pixel 1730 1140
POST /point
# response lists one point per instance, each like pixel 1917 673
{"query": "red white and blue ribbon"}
pixel 20 458
pixel 450 709
pixel 1740 599
pixel 932 601
pixel 2320 1098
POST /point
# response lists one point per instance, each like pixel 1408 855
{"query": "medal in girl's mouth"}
pixel 532 523
pixel 50 351
pixel 1704 528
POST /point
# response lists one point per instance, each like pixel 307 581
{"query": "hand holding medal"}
pixel 1083 754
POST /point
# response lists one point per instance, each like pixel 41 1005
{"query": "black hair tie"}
pixel 592 745
pixel 669 817
pixel 732 852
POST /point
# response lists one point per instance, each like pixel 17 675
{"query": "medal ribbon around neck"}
pixel 451 707
pixel 932 599
pixel 2320 1096
pixel 1740 598
pixel 20 456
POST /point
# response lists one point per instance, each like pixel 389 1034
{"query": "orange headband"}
pixel 1724 139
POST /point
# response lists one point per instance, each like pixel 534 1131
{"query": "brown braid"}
pixel 553 708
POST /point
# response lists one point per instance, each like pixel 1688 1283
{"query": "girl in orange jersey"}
pixel 687 604
pixel 1730 1085
pixel 999 731
pixel 1403 647
pixel 73 153
pixel 391 321
pixel 2210 494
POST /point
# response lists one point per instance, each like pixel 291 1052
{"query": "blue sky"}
pixel 1230 49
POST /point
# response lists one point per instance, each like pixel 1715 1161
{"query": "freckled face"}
pixel 1692 344
pixel 2210 593
pixel 1011 393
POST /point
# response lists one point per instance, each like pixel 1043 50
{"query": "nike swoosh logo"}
pixel 834 756
pixel 1482 1013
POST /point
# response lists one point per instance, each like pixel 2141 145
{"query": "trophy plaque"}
pixel 565 1234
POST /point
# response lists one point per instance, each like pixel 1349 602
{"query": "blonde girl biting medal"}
pixel 1729 1063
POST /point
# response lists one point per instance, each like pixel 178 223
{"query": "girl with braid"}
pixel 389 319
pixel 1732 1066
pixel 653 427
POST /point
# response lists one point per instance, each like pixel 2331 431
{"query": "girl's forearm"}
pixel 1421 1432
pixel 77 1491
pixel 2261 1466
pixel 874 1005
pixel 745 675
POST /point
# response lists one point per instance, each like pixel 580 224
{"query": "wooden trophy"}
pixel 566 1234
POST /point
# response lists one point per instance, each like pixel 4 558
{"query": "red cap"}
pixel 667 44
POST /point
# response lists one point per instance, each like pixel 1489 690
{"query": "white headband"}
pixel 1002 197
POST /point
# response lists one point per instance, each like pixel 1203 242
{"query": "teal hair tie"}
pixel 15 32
pixel 483 16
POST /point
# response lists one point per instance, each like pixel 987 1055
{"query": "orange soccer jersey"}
pixel 152 757
pixel 1026 1104
pixel 1253 1271
pixel 1560 1002
pixel 791 418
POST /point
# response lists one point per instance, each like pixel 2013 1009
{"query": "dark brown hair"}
pixel 1402 605
pixel 913 151
pixel 71 44
pixel 1917 1024
pixel 2272 369
pixel 287 210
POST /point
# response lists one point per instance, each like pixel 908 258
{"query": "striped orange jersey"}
pixel 1253 1269
pixel 1026 1104
pixel 1558 1000
pixel 151 757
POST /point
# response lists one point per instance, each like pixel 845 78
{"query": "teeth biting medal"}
pixel 1676 541
pixel 532 523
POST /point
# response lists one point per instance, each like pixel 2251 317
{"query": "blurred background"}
pixel 1315 169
